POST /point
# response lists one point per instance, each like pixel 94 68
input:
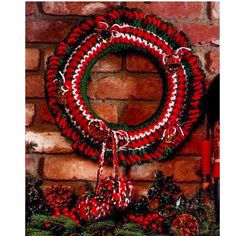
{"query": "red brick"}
pixel 213 62
pixel 32 56
pixel 147 171
pixel 200 33
pixel 34 86
pixel 106 111
pixel 47 52
pixel 136 113
pixel 201 55
pixel 109 63
pixel 32 164
pixel 192 144
pixel 29 114
pixel 45 115
pixel 140 189
pixel 48 31
pixel 186 169
pixel 76 8
pixel 214 13
pixel 186 173
pixel 189 189
pixel 139 63
pixel 73 167
pixel 30 8
pixel 170 10
pixel 49 142
pixel 125 88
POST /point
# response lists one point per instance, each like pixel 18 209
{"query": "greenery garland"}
pixel 165 211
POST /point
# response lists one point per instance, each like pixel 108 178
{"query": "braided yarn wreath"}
pixel 68 74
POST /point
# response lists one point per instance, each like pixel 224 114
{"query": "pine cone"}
pixel 186 224
pixel 154 204
pixel 58 196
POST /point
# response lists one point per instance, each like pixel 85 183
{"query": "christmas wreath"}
pixel 68 73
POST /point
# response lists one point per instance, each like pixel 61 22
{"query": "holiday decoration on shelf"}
pixel 58 196
pixel 185 224
pixel 151 221
pixel 111 193
pixel 175 215
pixel 34 199
pixel 68 73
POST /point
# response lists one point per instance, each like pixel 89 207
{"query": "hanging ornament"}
pixel 112 192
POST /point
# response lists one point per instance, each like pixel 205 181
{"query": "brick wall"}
pixel 125 88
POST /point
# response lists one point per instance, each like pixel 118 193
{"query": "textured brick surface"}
pixel 139 63
pixel 189 189
pixel 140 189
pixel 183 169
pixel 192 144
pixel 213 62
pixel 76 8
pixel 106 111
pixel 214 12
pixel 49 142
pixel 109 63
pixel 47 30
pixel 190 10
pixel 32 164
pixel 30 8
pixel 136 113
pixel 72 168
pixel 34 86
pixel 200 33
pixel 32 56
pixel 45 115
pixel 29 114
pixel 125 88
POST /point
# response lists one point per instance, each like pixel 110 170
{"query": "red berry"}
pixel 155 215
pixel 46 225
pixel 154 226
pixel 159 229
pixel 66 214
pixel 145 222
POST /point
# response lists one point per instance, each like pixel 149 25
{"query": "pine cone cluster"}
pixel 186 225
pixel 58 196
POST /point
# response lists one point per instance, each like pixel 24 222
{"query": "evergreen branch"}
pixel 130 226
pixel 98 226
pixel 37 232
pixel 62 224
pixel 126 232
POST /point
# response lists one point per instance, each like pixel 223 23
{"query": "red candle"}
pixel 206 157
pixel 216 169
pixel 216 150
